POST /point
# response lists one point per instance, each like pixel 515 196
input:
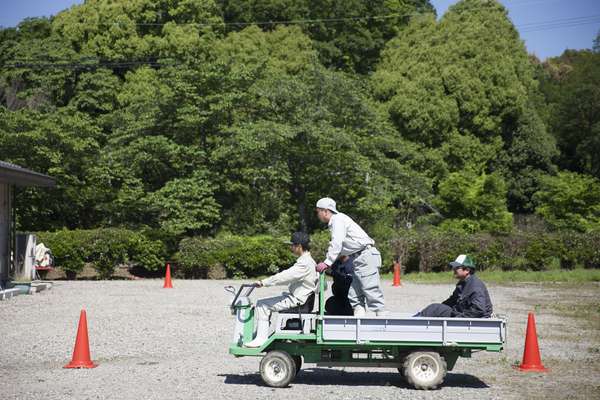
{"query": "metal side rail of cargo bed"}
pixel 422 349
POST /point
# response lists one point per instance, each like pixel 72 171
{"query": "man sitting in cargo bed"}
pixel 470 298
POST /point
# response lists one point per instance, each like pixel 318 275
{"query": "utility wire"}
pixel 306 20
pixel 559 25
pixel 561 20
pixel 275 22
pixel 94 62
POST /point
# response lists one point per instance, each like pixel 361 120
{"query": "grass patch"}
pixel 587 311
pixel 570 276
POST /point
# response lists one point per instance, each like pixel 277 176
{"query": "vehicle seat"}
pixel 305 308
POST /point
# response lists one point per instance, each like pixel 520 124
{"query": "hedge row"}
pixel 249 256
pixel 428 251
pixel 235 256
pixel 537 251
pixel 104 248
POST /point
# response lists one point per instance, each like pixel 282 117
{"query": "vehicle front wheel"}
pixel 277 369
pixel 425 369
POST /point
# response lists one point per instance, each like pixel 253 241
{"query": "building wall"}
pixel 5 221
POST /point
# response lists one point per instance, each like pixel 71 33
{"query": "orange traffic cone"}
pixel 531 355
pixel 397 271
pixel 168 284
pixel 81 353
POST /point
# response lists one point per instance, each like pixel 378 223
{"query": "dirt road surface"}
pixel 154 343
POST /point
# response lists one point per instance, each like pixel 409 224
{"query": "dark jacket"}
pixel 470 299
pixel 338 304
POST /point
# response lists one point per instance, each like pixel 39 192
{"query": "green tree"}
pixel 30 72
pixel 292 134
pixel 473 203
pixel 131 31
pixel 447 88
pixel 186 205
pixel 156 116
pixel 347 35
pixel 62 144
pixel 570 201
pixel 571 85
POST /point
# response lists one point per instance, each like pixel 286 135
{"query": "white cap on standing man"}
pixel 327 203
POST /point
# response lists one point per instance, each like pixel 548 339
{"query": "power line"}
pixel 305 20
pixel 82 66
pixel 275 22
pixel 560 25
pixel 573 19
pixel 285 22
pixel 318 20
pixel 94 62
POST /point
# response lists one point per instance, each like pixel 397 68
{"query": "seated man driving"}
pixel 302 280
pixel 470 299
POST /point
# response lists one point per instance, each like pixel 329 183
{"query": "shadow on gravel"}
pixel 464 381
pixel 327 377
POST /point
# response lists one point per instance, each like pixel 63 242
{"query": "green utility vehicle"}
pixel 422 349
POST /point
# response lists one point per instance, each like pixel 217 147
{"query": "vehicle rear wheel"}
pixel 298 363
pixel 425 369
pixel 277 369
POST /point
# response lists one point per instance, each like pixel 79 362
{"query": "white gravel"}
pixel 154 343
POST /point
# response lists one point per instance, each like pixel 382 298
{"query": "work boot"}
pixel 359 311
pixel 262 334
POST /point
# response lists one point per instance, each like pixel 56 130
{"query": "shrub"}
pixel 570 201
pixel 424 251
pixel 570 249
pixel 405 250
pixel 580 250
pixel 491 252
pixel 105 248
pixel 241 256
pixel 440 248
pixel 539 253
pixel 108 248
pixel 70 248
pixel 428 251
pixel 474 203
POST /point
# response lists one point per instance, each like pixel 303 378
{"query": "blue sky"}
pixel 552 38
pixel 545 40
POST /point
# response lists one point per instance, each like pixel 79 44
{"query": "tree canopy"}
pixel 196 117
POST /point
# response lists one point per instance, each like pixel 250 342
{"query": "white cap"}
pixel 327 204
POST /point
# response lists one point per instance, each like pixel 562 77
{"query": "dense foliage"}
pixel 104 249
pixel 238 256
pixel 430 250
pixel 225 120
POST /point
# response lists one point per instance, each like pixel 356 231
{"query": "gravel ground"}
pixel 153 343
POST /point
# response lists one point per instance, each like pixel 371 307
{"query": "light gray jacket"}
pixel 301 278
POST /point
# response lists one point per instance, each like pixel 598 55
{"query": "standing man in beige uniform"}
pixel 349 239
pixel 302 280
